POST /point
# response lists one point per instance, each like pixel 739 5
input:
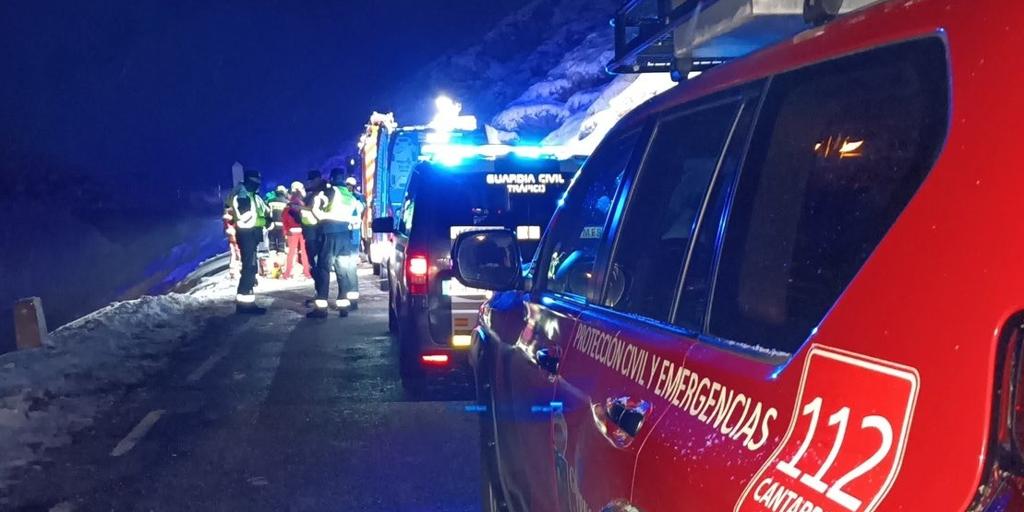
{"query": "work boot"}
pixel 317 313
pixel 342 312
pixel 353 306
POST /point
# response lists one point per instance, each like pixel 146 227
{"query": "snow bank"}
pixel 86 365
pixel 582 131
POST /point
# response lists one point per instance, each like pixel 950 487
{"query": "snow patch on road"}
pixel 49 393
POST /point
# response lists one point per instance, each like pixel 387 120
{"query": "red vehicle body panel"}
pixel 910 343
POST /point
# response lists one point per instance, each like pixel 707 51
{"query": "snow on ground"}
pixel 48 393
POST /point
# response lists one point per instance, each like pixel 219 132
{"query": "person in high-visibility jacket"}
pixel 310 223
pixel 277 201
pixel 357 232
pixel 339 212
pixel 250 218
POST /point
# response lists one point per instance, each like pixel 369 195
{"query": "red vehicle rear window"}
pixel 838 151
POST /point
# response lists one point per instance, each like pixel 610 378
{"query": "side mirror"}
pixel 383 225
pixel 487 259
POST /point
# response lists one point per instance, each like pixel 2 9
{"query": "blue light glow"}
pixel 454 154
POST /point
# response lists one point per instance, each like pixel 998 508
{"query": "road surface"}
pixel 277 413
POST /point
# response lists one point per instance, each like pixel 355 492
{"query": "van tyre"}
pixel 491 496
pixel 408 359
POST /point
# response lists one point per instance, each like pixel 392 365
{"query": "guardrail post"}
pixel 29 323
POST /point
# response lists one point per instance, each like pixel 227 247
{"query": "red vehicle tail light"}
pixel 1002 488
pixel 416 275
pixel 434 359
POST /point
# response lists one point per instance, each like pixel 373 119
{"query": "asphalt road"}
pixel 273 413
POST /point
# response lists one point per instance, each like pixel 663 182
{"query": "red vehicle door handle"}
pixel 628 414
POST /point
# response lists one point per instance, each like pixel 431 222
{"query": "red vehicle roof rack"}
pixel 680 36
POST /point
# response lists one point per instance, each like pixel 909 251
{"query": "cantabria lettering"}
pixel 777 498
pixel 733 413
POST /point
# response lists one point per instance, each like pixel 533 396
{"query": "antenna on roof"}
pixel 818 12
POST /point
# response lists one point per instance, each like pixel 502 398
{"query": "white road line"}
pixel 207 365
pixel 137 433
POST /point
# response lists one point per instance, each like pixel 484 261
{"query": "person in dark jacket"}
pixel 339 212
pixel 250 214
pixel 315 185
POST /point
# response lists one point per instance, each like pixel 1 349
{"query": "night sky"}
pixel 170 93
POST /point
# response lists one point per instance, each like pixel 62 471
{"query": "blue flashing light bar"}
pixel 455 154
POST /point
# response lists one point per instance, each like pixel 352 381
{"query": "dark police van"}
pixel 461 189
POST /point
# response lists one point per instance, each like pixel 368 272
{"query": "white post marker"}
pixel 137 433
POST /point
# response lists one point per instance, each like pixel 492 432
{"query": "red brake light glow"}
pixel 416 275
pixel 435 359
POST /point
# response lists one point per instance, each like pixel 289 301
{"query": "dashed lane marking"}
pixel 137 433
pixel 207 365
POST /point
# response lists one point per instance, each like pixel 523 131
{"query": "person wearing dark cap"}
pixel 310 229
pixel 250 215
pixel 339 212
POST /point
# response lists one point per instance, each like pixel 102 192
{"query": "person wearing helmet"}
pixel 293 232
pixel 277 203
pixel 250 214
pixel 338 212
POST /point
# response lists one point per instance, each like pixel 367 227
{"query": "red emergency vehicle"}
pixel 793 284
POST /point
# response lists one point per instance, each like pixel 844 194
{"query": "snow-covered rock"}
pixel 522 50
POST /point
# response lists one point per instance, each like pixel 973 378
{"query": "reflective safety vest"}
pixel 308 213
pixel 338 205
pixel 249 209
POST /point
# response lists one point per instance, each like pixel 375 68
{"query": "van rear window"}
pixel 838 151
pixel 521 198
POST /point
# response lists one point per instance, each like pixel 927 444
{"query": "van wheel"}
pixel 392 320
pixel 408 359
pixel 491 496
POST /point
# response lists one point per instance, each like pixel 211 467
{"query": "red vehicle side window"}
pixel 838 151
pixel 576 234
pixel 665 208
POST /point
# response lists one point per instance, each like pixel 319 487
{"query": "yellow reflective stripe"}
pixel 243 220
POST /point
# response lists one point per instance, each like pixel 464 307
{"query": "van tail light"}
pixel 1002 488
pixel 434 359
pixel 416 275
